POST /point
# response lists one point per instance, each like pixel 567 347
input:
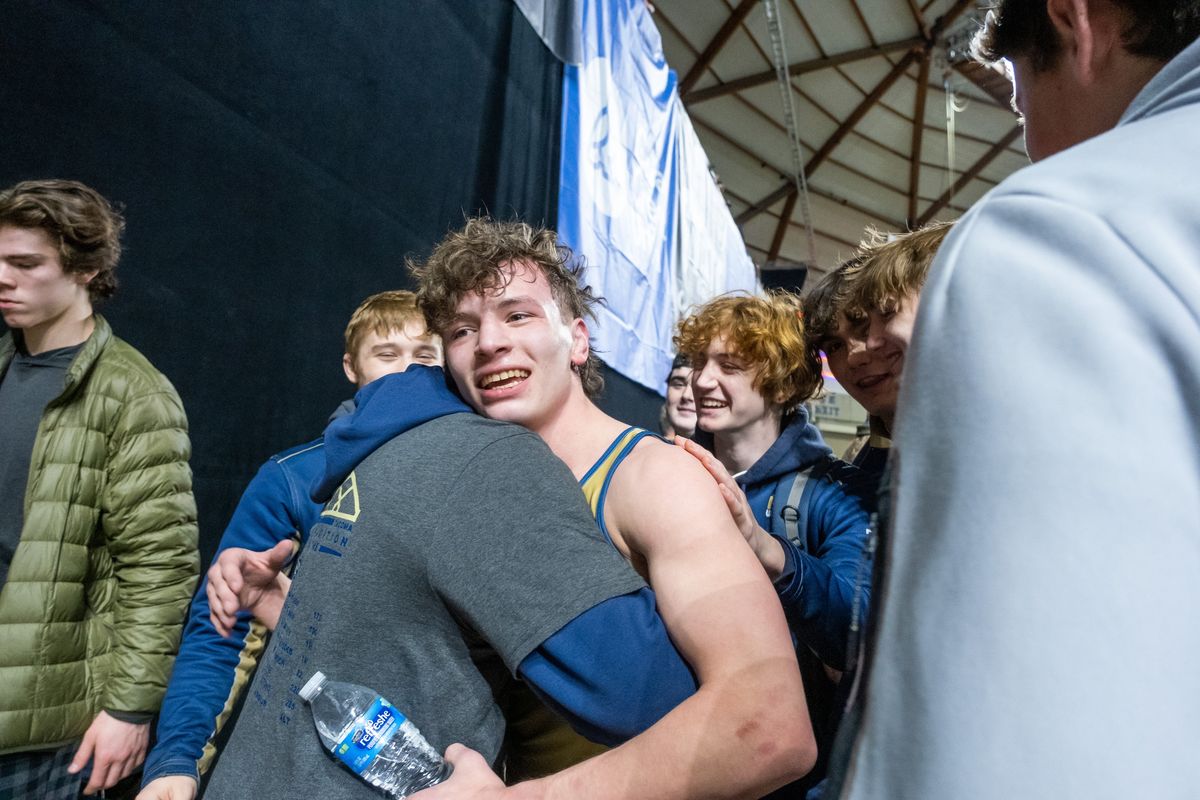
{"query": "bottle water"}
pixel 371 737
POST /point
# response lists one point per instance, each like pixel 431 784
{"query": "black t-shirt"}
pixel 28 384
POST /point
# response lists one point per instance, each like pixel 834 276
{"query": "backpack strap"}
pixel 794 511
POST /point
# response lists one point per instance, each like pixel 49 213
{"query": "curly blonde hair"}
pixel 768 332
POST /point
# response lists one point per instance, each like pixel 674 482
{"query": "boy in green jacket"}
pixel 97 521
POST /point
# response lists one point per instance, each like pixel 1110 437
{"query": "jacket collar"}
pixel 81 365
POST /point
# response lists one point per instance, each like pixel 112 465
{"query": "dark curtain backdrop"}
pixel 277 161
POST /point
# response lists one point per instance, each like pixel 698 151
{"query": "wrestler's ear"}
pixel 581 347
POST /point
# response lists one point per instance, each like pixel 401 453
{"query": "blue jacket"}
pixel 818 584
pixel 207 679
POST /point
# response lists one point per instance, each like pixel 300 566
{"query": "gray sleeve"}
pixel 526 556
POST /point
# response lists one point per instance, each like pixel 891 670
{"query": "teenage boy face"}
pixel 896 324
pixel 393 351
pixel 34 291
pixel 723 387
pixel 681 408
pixel 865 367
pixel 867 356
pixel 510 351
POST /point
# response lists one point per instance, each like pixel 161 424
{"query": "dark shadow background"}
pixel 277 161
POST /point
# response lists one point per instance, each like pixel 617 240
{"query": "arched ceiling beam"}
pixel 758 79
pixel 946 20
pixel 781 229
pixel 768 76
pixel 918 130
pixel 842 201
pixel 976 168
pixel 736 17
pixel 918 18
pixel 836 138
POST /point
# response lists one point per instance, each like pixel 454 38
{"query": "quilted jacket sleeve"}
pixel 149 521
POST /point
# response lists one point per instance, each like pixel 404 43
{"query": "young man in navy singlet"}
pixel 511 309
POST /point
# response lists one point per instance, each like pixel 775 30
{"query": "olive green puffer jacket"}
pixel 91 613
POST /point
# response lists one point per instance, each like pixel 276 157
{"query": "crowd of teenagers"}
pixel 992 597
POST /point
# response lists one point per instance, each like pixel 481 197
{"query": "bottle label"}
pixel 371 732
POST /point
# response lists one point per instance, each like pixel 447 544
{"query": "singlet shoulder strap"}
pixel 597 479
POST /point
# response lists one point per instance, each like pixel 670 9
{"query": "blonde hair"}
pixel 380 314
pixel 894 269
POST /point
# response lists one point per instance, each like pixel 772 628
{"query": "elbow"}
pixel 806 758
pixel 782 742
pixel 797 753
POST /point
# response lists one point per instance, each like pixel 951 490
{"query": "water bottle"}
pixel 371 737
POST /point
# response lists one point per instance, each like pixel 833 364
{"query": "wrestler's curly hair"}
pixel 477 259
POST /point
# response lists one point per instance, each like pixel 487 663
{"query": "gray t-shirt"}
pixel 28 384
pixel 448 555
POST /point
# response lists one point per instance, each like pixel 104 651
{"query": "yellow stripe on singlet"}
pixel 595 482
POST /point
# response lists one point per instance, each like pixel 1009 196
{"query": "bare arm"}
pixel 765 546
pixel 746 731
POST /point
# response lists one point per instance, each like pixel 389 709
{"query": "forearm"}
pixel 771 553
pixel 148 516
pixel 150 606
pixel 727 741
pixel 744 732
pixel 827 574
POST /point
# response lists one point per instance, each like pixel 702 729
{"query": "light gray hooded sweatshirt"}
pixel 1040 628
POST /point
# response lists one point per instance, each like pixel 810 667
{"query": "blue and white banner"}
pixel 637 200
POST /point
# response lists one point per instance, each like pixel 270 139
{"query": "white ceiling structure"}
pixel 861 72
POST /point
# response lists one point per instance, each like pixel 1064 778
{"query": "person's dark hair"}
pixel 1158 29
pixel 84 227
pixel 477 259
pixel 829 299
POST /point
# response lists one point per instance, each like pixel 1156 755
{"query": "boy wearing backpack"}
pixel 803 512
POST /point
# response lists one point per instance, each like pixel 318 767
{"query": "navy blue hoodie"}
pixel 818 584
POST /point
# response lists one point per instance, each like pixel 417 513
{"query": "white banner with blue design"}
pixel 637 199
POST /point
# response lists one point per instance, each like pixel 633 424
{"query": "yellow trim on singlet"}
pixel 595 482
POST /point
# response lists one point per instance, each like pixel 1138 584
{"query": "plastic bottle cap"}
pixel 311 689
